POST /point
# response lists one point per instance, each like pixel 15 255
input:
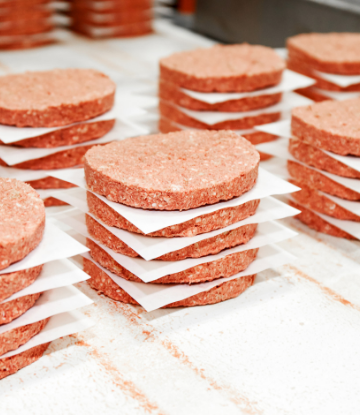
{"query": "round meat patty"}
pixel 14 282
pixel 181 170
pixel 201 224
pixel 10 365
pixel 337 53
pixel 319 181
pixel 208 271
pixel 101 282
pixel 314 221
pixel 209 246
pixel 13 339
pixel 172 93
pixel 315 157
pixel 230 68
pixel 11 310
pixel 22 221
pixel 330 125
pixel 315 200
pixel 54 98
pixel 50 183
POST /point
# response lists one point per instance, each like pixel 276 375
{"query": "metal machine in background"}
pixel 270 22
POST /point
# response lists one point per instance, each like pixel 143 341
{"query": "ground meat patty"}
pixel 113 6
pixel 31 27
pixel 13 339
pixel 26 42
pixel 101 282
pixel 11 310
pixel 52 201
pixel 128 30
pixel 337 53
pixel 75 134
pixel 209 271
pixel 54 98
pixel 172 93
pixel 22 221
pixel 316 158
pixel 317 201
pixel 173 113
pixel 312 93
pixel 72 157
pixel 314 221
pixel 14 282
pixel 166 126
pixel 300 67
pixel 201 224
pixel 111 19
pixel 10 365
pixel 230 68
pixel 330 125
pixel 181 170
pixel 210 246
pixel 50 183
pixel 321 182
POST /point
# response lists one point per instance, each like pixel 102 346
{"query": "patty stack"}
pixel 331 59
pixel 25 311
pixel 234 87
pixel 50 119
pixel 25 24
pixel 326 148
pixel 175 219
pixel 114 18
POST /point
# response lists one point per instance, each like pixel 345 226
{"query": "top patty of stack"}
pixel 22 221
pixel 231 68
pixel 174 171
pixel 54 98
pixel 330 125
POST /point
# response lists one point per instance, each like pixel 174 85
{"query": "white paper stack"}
pixel 210 113
pixel 148 268
pixel 54 312
pixel 347 222
pixel 28 152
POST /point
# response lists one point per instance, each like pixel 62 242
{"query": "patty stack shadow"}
pixel 176 219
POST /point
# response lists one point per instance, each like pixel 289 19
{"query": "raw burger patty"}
pixel 54 98
pixel 166 126
pixel 316 158
pixel 201 224
pixel 175 114
pixel 61 160
pixel 10 365
pixel 210 246
pixel 330 125
pixel 318 201
pixel 32 27
pixel 314 221
pixel 22 221
pixel 75 134
pixel 337 53
pixel 25 42
pixel 172 93
pixel 231 68
pixel 11 310
pixel 111 19
pixel 304 69
pixel 209 271
pixel 104 284
pixel 321 182
pixel 113 6
pixel 50 183
pixel 312 93
pixel 128 30
pixel 181 170
pixel 52 201
pixel 13 339
pixel 14 282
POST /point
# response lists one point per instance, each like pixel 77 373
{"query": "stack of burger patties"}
pixel 234 87
pixel 25 23
pixel 31 263
pixel 325 163
pixel 331 59
pixel 168 173
pixel 114 18
pixel 61 113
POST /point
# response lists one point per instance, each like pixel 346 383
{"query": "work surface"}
pixel 289 345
